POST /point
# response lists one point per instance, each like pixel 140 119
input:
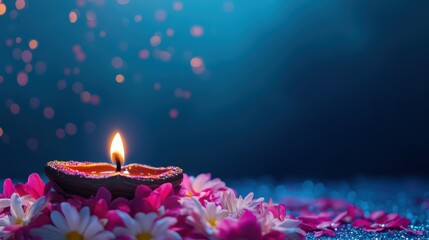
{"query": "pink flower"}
pixel 146 200
pixel 33 187
pixel 102 202
pixel 246 227
pixel 201 185
pixel 380 220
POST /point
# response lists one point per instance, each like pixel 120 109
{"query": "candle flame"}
pixel 117 152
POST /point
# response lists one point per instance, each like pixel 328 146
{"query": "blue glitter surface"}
pixel 391 195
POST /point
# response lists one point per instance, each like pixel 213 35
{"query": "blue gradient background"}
pixel 319 89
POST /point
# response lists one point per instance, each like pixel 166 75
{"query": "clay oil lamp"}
pixel 84 178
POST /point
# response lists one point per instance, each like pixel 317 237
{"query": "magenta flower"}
pixel 246 227
pixel 33 187
pixel 146 200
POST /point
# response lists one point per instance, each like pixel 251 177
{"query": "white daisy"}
pixel 235 205
pixel 73 225
pixel 205 219
pixel 146 227
pixel 17 214
pixel 203 182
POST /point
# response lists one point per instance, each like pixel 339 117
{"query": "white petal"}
pixel 4 203
pixel 59 221
pixel 71 215
pixel 16 206
pixel 84 219
pixel 104 235
pixel 47 232
pixel 94 226
pixel 130 223
pixel 35 209
pixel 4 221
pixel 145 221
pixel 161 226
pixel 121 231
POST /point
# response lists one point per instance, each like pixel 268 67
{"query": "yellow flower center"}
pixel 74 235
pixel 144 236
pixel 212 222
pixel 189 194
pixel 19 221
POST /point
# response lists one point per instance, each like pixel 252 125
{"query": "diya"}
pixel 84 178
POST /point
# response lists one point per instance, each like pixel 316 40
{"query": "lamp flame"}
pixel 117 152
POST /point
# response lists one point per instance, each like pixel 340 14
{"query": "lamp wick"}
pixel 118 164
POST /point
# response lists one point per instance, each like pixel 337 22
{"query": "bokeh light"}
pixel 120 78
pixel 33 44
pixel 72 16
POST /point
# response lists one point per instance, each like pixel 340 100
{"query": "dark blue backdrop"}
pixel 289 88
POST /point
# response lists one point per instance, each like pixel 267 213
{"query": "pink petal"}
pixel 412 231
pixel 378 216
pixel 113 220
pixel 164 191
pixel 361 223
pixel 35 186
pixel 274 235
pixel 8 188
pixel 121 204
pixel 101 208
pixel 103 193
pixel 142 191
pixel 278 210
